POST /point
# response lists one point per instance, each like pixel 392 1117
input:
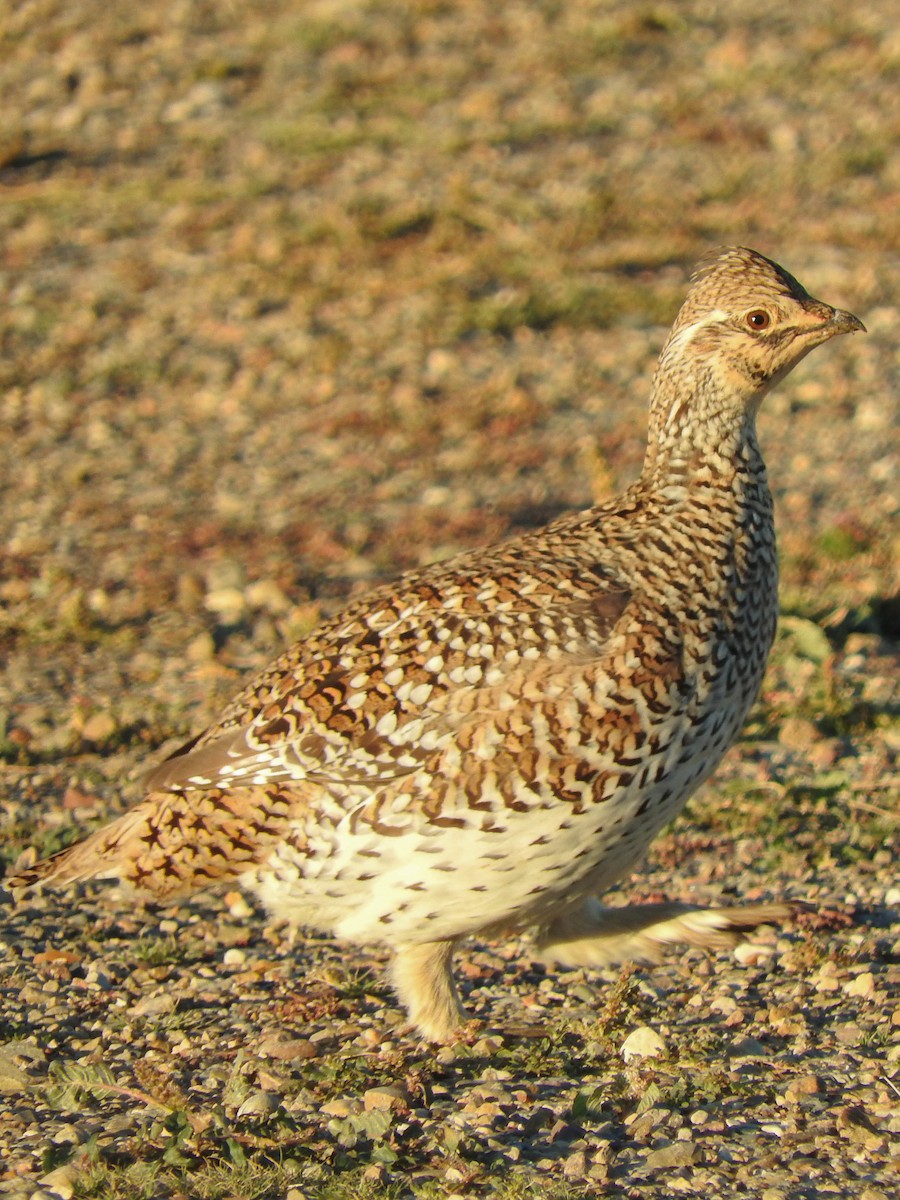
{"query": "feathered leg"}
pixel 595 936
pixel 423 978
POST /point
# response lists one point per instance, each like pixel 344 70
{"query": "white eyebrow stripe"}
pixel 683 336
pixel 681 339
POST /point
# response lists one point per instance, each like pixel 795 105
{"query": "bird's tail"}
pixel 86 859
pixel 171 843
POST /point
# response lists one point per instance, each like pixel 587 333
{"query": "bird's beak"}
pixel 844 322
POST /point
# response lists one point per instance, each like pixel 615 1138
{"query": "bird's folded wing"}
pixel 370 722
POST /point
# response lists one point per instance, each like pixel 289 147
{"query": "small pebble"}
pixel 389 1097
pixel 642 1042
pixel 861 985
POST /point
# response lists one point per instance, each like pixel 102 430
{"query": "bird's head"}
pixel 744 325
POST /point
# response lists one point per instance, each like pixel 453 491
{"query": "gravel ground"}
pixel 298 296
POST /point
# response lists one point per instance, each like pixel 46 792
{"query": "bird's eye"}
pixel 758 318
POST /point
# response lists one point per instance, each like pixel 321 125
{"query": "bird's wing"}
pixel 374 709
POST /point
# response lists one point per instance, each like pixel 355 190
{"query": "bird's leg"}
pixel 423 978
pixel 594 936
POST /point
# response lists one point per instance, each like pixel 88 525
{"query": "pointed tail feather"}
pixel 115 851
pixel 172 843
pixel 66 866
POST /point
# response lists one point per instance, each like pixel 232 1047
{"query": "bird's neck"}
pixel 698 433
pixel 706 480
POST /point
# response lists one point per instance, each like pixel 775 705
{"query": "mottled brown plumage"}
pixel 490 742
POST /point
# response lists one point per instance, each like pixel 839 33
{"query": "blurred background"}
pixel 297 295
